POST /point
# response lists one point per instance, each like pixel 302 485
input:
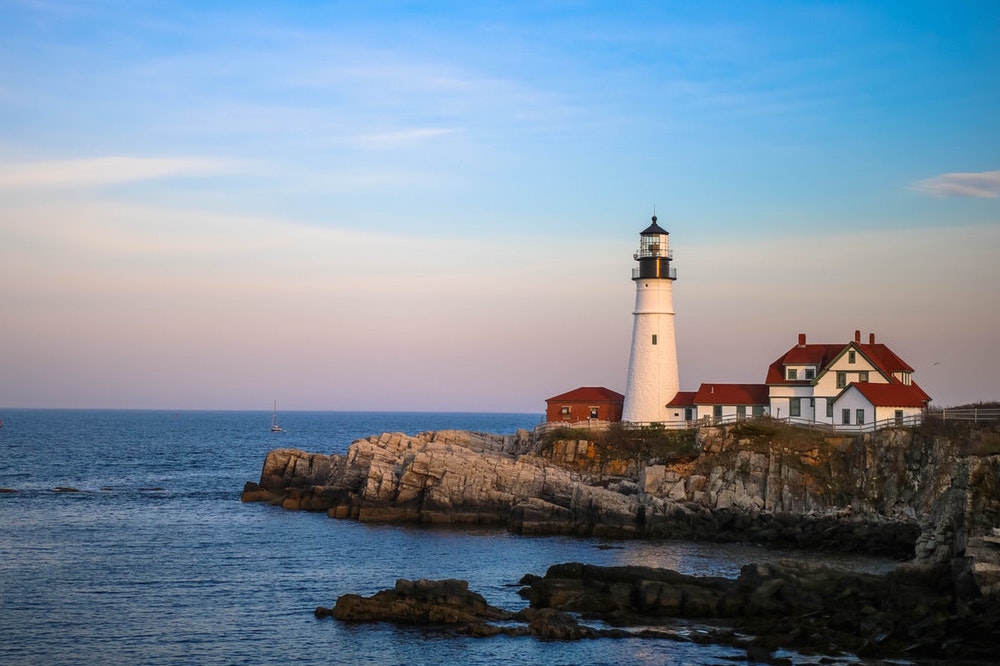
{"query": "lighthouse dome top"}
pixel 654 230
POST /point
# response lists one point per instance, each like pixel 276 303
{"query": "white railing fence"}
pixel 973 414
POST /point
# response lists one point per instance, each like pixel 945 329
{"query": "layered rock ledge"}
pixel 899 493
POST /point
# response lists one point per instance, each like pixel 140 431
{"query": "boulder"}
pixel 417 602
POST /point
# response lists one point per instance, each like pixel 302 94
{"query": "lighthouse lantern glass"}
pixel 653 246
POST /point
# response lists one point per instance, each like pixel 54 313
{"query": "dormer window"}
pixel 810 373
pixel 851 356
pixel 791 374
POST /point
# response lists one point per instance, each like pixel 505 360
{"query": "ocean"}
pixel 124 542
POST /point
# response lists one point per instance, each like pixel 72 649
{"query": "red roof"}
pixel 884 358
pixel 895 394
pixel 818 355
pixel 732 394
pixel 682 399
pixel 880 356
pixel 588 394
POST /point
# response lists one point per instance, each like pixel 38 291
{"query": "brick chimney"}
pixel 857 335
pixel 871 338
pixel 802 339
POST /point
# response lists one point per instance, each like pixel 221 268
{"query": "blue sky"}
pixel 404 205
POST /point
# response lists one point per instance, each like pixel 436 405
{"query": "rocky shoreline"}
pixel 893 493
pixel 910 613
pixel 908 494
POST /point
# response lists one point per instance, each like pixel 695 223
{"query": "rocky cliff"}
pixel 904 493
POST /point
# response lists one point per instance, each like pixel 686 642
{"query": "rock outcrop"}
pixel 900 493
pixel 417 602
pixel 449 478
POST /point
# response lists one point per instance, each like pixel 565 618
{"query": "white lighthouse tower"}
pixel 652 366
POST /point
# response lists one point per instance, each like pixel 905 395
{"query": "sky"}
pixel 432 206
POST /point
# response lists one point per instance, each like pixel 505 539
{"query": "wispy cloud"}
pixel 110 170
pixel 403 137
pixel 981 185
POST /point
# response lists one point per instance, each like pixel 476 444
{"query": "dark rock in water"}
pixel 907 612
pixel 552 624
pixel 911 612
pixel 65 489
pixel 7 490
pixel 418 602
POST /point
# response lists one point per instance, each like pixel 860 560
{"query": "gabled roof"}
pixel 895 394
pixel 682 399
pixel 819 355
pixel 732 394
pixel 588 394
pixel 881 357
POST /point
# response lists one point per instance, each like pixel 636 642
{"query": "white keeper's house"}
pixel 855 385
pixel 843 385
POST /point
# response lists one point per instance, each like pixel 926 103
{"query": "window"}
pixel 863 376
pixel 688 414
pixel 845 416
pixel 795 406
pixel 851 356
pixel 810 373
pixel 593 412
pixel 829 408
pixel 654 338
pixel 741 412
pixel 841 379
pixel 758 410
pixel 860 416
pixel 564 411
pixel 812 404
pixel 717 411
pixel 899 417
pixel 792 373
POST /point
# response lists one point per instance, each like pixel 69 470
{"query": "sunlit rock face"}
pixel 893 493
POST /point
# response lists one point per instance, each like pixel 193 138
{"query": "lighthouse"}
pixel 652 366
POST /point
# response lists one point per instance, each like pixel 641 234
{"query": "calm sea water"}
pixel 152 559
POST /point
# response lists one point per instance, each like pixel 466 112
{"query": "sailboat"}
pixel 274 419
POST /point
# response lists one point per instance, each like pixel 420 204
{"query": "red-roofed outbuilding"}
pixel 585 403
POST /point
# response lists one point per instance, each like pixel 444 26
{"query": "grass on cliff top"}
pixel 764 432
pixel 647 443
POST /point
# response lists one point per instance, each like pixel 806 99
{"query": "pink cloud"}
pixel 981 185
